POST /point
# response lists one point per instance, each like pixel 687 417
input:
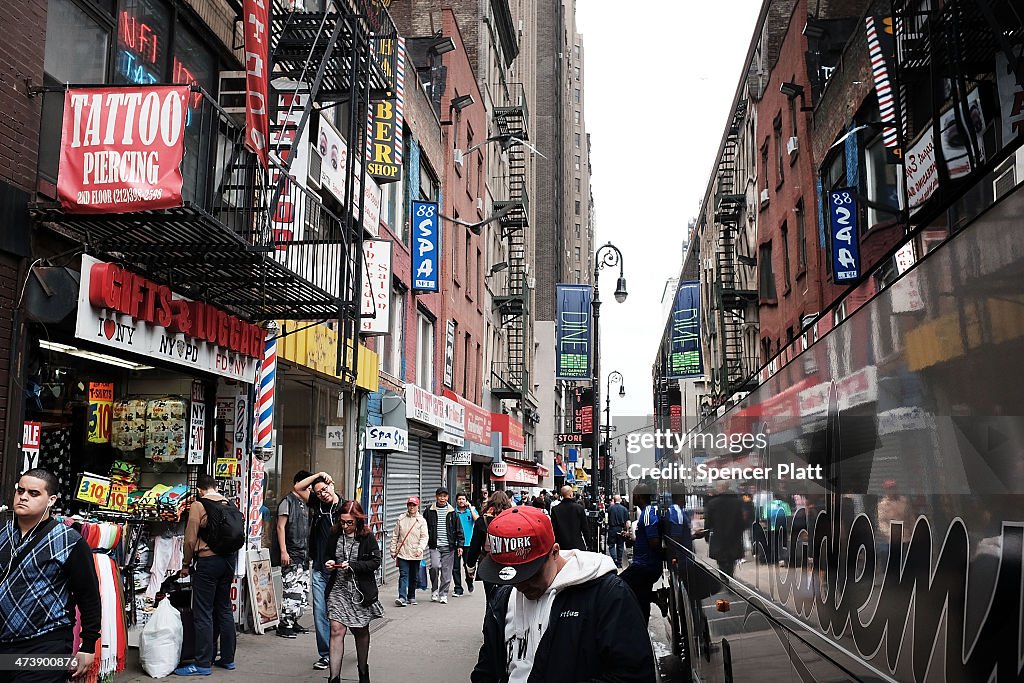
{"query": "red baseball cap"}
pixel 519 541
pixel 412 500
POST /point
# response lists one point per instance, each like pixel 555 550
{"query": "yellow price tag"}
pixel 118 498
pixel 224 468
pixel 93 488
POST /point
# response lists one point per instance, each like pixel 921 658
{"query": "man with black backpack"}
pixel 213 536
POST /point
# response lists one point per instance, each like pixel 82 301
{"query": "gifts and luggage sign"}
pixel 426 244
pixel 842 212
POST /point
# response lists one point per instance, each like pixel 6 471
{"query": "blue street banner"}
pixel 842 216
pixel 572 332
pixel 684 354
pixel 426 237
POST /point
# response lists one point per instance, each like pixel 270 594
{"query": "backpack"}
pixel 225 528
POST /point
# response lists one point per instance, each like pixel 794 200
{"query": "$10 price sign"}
pixel 101 408
pixel 93 488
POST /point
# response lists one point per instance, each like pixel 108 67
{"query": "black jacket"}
pixel 723 516
pixel 595 633
pixel 365 566
pixel 455 537
pixel 475 551
pixel 569 519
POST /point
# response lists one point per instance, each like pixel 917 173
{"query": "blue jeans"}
pixel 320 620
pixel 407 579
pixel 616 547
pixel 211 603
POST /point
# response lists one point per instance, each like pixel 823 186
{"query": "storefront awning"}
pixel 316 348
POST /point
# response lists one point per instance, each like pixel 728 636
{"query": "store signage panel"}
pixel 478 420
pixel 333 169
pixel 122 310
pixel 842 213
pixel 684 358
pixel 454 423
pixel 335 437
pixel 384 138
pixel 426 238
pixel 1011 95
pixel 511 431
pixel 922 174
pixel 121 149
pixel 572 332
pixel 449 354
pixel 515 474
pixel 257 79
pixel 387 439
pixel 30 445
pixel 92 488
pixel 376 300
pixel 458 458
pixel 423 406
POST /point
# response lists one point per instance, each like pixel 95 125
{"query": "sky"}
pixel 659 81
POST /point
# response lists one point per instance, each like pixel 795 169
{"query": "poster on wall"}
pixel 684 357
pixel 121 149
pixel 572 331
pixel 261 589
pixel 426 237
pixel 30 444
pixel 100 411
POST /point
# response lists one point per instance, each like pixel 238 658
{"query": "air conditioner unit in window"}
pixel 231 91
pixel 316 163
pixel 793 145
pixel 764 196
pixel 458 158
pixel 479 204
pixel 1008 174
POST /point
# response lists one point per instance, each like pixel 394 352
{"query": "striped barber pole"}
pixel 880 74
pixel 265 397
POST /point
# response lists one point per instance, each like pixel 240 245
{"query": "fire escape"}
pixel 510 378
pixel 731 299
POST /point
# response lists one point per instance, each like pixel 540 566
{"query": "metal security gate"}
pixel 403 481
pixel 431 469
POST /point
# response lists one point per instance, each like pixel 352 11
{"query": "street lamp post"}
pixel 614 377
pixel 607 255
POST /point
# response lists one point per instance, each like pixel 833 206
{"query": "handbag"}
pixel 402 544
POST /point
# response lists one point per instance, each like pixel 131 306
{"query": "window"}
pixel 792 115
pixel 391 350
pixel 143 39
pixel 466 348
pixel 392 206
pixel 456 247
pixel 477 383
pixel 577 207
pixel 764 164
pixel 579 278
pixel 576 96
pixel 577 254
pixel 577 162
pixel 766 280
pixel 577 139
pixel 801 237
pixel 576 51
pixel 883 183
pixel 576 116
pixel 578 183
pixel 835 176
pixel 424 351
pixel 577 73
pixel 479 276
pixel 779 165
pixel 785 255
pixel 577 231
pixel 467 264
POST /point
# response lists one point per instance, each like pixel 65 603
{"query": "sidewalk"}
pixel 427 642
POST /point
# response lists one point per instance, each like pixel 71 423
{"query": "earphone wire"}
pixel 24 540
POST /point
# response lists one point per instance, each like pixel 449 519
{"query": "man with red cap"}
pixel 557 615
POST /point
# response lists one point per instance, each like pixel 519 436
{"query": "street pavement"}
pixel 427 642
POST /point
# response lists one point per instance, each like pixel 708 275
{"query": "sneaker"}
pixel 230 666
pixel 457 594
pixel 301 631
pixel 322 664
pixel 443 600
pixel 434 596
pixel 192 670
pixel 413 602
pixel 400 602
pixel 469 585
pixel 285 632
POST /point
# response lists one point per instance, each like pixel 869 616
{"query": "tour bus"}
pixel 902 561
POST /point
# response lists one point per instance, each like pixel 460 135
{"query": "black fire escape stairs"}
pixel 342 54
pixel 510 378
pixel 731 299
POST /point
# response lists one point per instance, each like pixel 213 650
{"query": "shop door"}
pixel 403 480
pixel 431 470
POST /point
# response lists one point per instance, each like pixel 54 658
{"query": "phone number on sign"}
pixel 37 662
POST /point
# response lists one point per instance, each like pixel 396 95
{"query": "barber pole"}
pixel 265 398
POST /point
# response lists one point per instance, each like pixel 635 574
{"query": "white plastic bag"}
pixel 160 641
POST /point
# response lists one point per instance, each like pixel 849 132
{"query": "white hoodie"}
pixel 526 621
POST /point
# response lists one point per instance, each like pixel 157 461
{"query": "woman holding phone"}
pixel 352 589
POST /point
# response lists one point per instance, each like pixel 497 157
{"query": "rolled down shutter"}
pixel 431 468
pixel 403 481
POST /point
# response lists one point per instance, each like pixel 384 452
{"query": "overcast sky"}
pixel 660 77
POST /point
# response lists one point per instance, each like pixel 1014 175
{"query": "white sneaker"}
pixel 444 599
pixel 434 596
pixel 400 602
